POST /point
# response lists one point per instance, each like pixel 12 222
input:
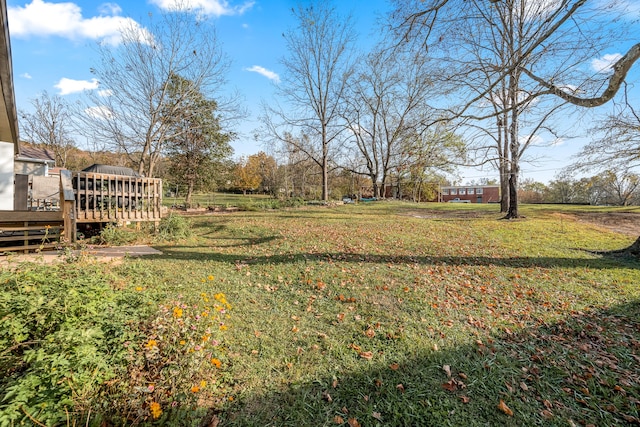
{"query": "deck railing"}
pixel 104 198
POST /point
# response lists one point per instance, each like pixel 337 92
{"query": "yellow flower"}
pixel 206 337
pixel 195 389
pixel 151 344
pixel 139 288
pixel 182 342
pixel 210 278
pixel 156 410
pixel 177 312
pixel 223 327
pixel 216 362
pixel 203 384
pixel 205 314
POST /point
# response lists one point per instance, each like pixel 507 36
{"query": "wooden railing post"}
pixel 68 205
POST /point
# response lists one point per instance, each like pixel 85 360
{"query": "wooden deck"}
pixel 85 197
pixel 30 231
pixel 116 198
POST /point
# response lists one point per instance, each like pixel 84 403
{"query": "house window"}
pixel 469 190
pixel 445 191
pixel 462 192
pixel 478 190
pixel 454 191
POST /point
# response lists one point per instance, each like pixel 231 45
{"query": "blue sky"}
pixel 53 47
pixel 53 44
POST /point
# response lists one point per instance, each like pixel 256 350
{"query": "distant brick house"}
pixel 472 193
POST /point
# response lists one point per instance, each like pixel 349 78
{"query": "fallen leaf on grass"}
pixel 366 355
pixel 447 370
pixel 353 422
pixel 394 366
pixel 523 386
pixel 465 399
pixel 370 333
pixel 377 416
pixel 504 408
pixel 400 388
pixel 546 414
pixel 338 419
pixel 450 385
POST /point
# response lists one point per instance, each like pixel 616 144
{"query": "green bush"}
pixel 62 329
pixel 115 235
pixel 174 227
pixel 81 344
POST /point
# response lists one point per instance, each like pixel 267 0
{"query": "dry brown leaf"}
pixel 465 399
pixel 447 370
pixel 504 408
pixel 450 385
pixel 214 421
pixel 370 333
pixel 338 419
pixel 400 388
pixel 366 355
pixel 377 415
pixel 546 414
pixel 353 422
pixel 394 366
pixel 523 386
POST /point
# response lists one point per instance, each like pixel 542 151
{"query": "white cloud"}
pixel 110 9
pixel 40 18
pixel 205 7
pixel 68 86
pixel 604 64
pixel 26 76
pixel 105 92
pixel 99 112
pixel 263 71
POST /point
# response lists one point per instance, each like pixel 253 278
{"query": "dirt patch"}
pixel 627 223
pixel 439 214
pixel 621 222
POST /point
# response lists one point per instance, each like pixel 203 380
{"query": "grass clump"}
pixel 174 227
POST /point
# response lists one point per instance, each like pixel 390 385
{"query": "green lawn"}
pixel 385 313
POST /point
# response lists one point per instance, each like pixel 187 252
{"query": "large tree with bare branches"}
pixel 506 55
pixel 129 113
pixel 318 65
pixel 50 124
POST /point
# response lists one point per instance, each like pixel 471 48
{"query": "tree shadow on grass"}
pixel 197 253
pixel 582 370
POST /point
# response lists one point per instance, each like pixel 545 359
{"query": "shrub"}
pixel 80 344
pixel 112 234
pixel 174 227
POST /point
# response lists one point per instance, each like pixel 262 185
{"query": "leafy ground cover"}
pixel 373 314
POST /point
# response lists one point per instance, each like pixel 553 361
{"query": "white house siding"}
pixel 6 176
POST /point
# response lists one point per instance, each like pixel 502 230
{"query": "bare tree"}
pixel 50 124
pixel 508 54
pixel 616 140
pixel 317 69
pixel 128 113
pixel 385 105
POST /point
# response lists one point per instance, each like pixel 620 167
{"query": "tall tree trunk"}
pixel 187 199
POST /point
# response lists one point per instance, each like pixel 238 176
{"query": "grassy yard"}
pixel 386 314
